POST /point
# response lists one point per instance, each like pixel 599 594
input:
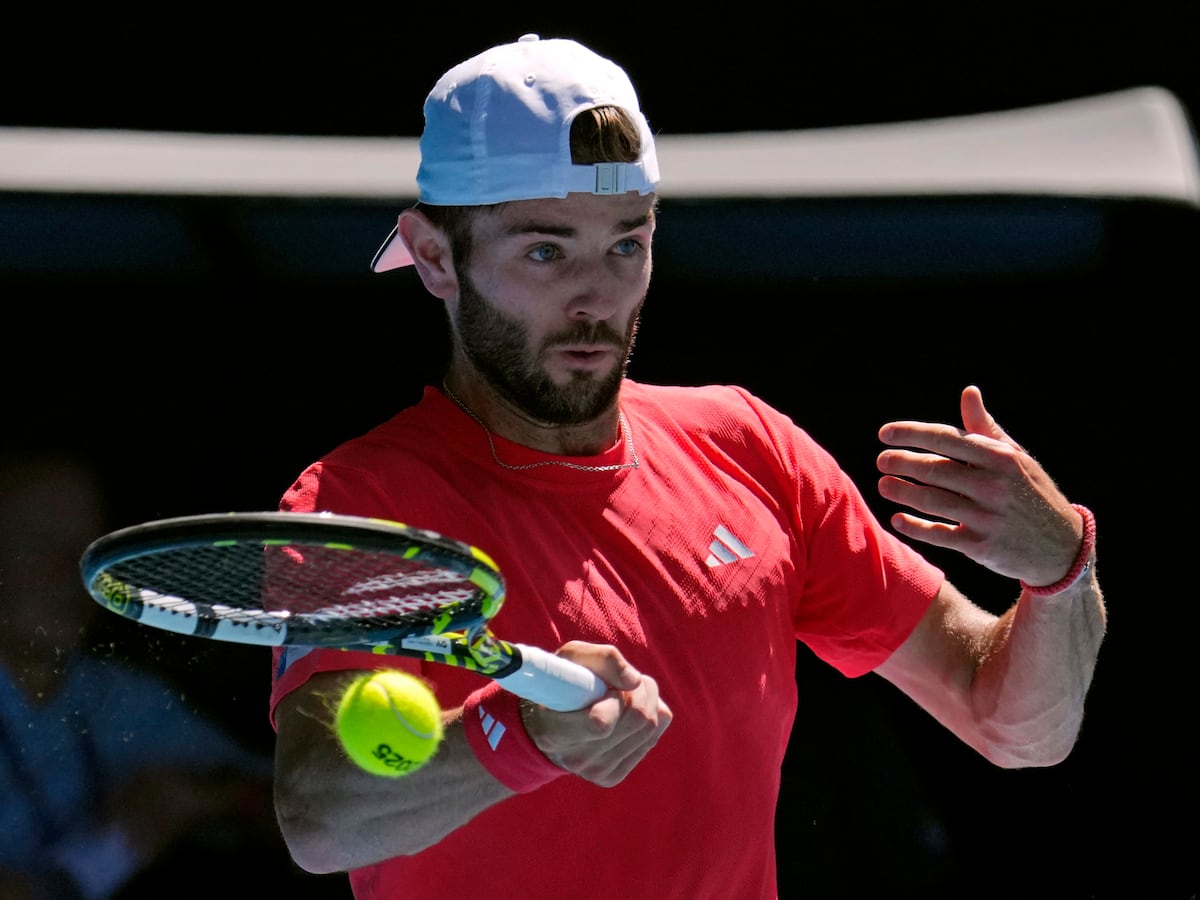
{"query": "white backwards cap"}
pixel 498 128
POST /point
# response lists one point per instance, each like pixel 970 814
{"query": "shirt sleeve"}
pixel 863 589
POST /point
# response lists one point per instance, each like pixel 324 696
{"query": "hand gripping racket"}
pixel 325 580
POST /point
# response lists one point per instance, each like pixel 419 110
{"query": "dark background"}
pixel 202 350
pixel 344 70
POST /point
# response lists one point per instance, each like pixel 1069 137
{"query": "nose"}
pixel 602 288
pixel 592 303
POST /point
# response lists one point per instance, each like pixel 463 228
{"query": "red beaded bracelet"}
pixel 1082 561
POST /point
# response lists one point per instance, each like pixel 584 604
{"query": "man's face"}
pixel 548 307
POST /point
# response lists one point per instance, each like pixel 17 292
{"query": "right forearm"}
pixel 336 817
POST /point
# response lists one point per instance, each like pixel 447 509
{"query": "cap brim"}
pixel 392 255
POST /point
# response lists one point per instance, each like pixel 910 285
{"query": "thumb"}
pixel 977 420
pixel 606 661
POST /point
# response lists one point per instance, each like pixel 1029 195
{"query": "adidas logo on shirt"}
pixel 726 548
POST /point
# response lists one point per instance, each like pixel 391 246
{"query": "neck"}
pixel 501 417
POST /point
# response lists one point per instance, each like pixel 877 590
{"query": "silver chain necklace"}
pixel 633 464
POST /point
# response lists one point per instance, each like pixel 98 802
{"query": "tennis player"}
pixel 679 541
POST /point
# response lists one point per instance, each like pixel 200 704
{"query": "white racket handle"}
pixel 553 681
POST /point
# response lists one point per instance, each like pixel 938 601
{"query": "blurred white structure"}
pixel 1134 143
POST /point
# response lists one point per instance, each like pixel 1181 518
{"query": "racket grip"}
pixel 552 681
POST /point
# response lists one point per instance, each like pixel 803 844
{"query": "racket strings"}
pixel 312 589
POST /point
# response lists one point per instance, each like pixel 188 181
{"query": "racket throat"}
pixel 495 657
pixel 484 653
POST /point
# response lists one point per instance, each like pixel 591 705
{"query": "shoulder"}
pixel 414 448
pixel 412 423
pixel 720 412
pixel 407 437
pixel 732 426
pixel 700 404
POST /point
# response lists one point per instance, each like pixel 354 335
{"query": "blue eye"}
pixel 627 247
pixel 544 253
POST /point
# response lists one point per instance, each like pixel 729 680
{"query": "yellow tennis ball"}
pixel 389 722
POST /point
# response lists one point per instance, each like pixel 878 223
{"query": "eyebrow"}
pixel 532 226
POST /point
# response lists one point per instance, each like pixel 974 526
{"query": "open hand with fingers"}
pixel 976 490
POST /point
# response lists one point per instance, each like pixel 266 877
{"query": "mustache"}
pixel 587 333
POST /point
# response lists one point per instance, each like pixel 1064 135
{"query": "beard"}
pixel 498 346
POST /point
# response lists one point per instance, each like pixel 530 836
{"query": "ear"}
pixel 430 250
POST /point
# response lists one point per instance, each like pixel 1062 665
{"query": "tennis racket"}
pixel 326 580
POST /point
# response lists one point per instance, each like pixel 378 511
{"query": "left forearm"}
pixel 1028 692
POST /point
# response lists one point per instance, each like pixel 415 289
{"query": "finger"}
pixel 570 739
pixel 626 756
pixel 937 534
pixel 932 501
pixel 944 440
pixel 642 723
pixel 606 661
pixel 976 418
pixel 930 469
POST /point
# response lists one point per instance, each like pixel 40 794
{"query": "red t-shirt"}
pixel 736 536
